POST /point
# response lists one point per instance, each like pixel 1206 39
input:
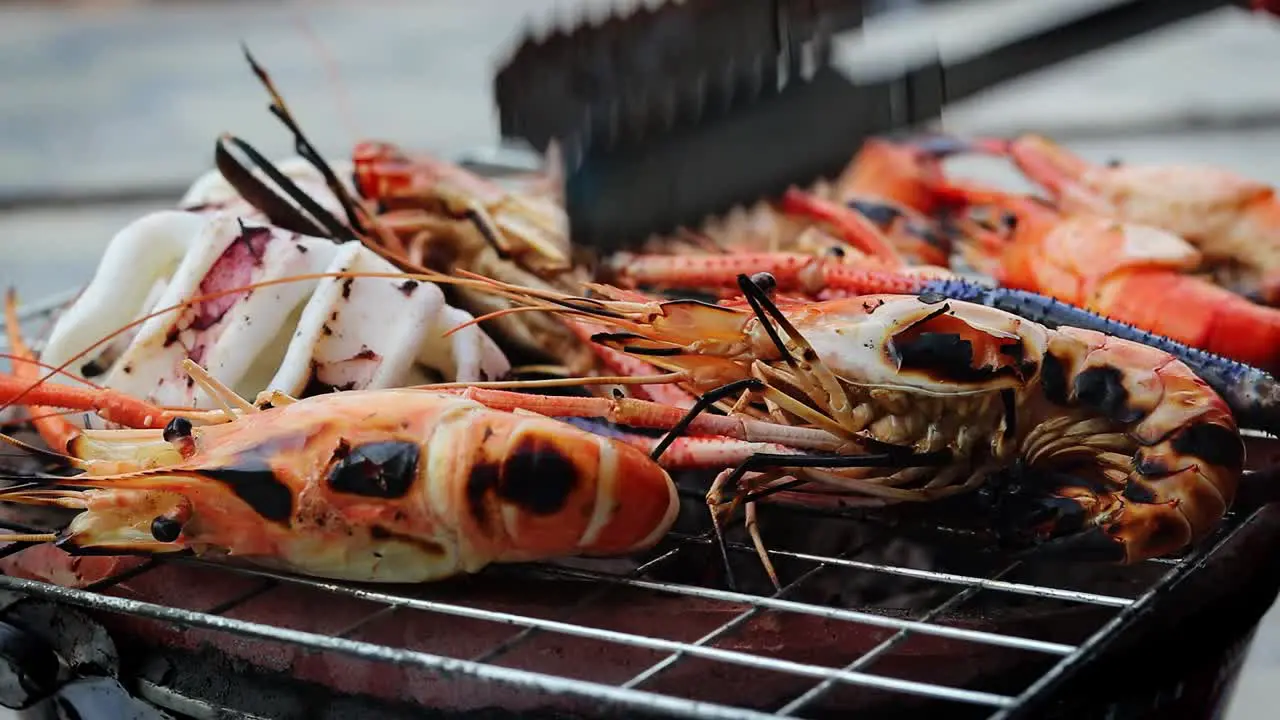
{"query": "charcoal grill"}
pixel 889 615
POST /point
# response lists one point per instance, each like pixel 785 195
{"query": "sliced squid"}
pixel 299 337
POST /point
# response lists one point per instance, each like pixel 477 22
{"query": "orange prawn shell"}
pixel 291 486
pixel 1191 453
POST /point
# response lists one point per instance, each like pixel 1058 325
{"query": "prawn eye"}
pixel 177 428
pixel 179 434
pixel 165 529
pixel 765 281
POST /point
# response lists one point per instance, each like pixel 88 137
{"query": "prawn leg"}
pixel 791 272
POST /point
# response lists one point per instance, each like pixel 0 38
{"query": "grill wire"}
pixel 1059 659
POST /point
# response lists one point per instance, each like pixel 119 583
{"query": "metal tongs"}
pixel 671 115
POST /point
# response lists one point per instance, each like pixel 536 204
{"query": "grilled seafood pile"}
pixel 296 365
pixel 1095 444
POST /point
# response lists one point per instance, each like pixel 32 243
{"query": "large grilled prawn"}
pixel 1127 453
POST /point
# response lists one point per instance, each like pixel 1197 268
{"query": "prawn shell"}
pixel 385 486
pixel 940 348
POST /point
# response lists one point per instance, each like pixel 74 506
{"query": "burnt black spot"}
pixel 302 248
pixel 483 479
pixel 1135 491
pixel 177 428
pixel 1015 350
pixel 1053 378
pixel 944 356
pixel 1027 368
pixel 191 382
pixel 316 386
pixel 379 469
pixel 366 353
pixel 1102 388
pixel 1213 444
pixel 171 337
pixel 1009 220
pixel 836 251
pixel 537 476
pixel 333 315
pixel 346 288
pixel 407 287
pixel 254 482
pixel 127 369
pixel 1151 466
pixel 92 369
pixel 326 330
pixel 377 532
pixel 930 297
pixel 871 307
pixel 165 530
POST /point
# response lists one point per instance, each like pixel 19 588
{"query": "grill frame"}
pixel 1126 613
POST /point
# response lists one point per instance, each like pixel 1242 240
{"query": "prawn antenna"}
pixel 303 145
pixel 47 455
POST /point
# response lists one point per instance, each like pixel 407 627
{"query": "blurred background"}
pixel 109 109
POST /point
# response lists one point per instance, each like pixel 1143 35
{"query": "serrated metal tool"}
pixel 671 115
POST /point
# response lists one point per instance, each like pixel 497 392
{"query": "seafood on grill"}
pixel 1126 271
pixel 276 315
pixel 419 212
pixel 398 485
pixel 380 486
pixel 1232 220
pixel 1094 443
pixel 867 232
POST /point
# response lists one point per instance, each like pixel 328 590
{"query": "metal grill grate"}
pixel 810 682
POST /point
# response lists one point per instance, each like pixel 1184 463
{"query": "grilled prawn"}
pixel 1234 221
pixel 1128 454
pixel 379 486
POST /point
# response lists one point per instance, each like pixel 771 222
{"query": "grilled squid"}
pixel 295 336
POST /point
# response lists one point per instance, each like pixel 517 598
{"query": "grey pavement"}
pixel 134 94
